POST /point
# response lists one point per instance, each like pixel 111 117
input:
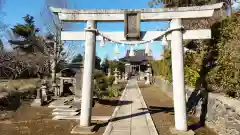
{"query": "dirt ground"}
pixel 162 111
pixel 27 120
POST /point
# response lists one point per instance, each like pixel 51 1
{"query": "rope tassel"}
pixel 102 42
pixel 147 49
pixel 164 41
pixel 131 53
pixel 116 49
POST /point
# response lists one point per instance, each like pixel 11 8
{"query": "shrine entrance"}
pixel 133 36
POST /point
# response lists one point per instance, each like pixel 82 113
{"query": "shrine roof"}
pixel 140 56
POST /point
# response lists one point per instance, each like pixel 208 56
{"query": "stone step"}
pixel 62 100
pixel 66 110
pixel 60 106
pixel 93 118
pixel 65 113
pixel 58 117
pixel 57 103
pixel 70 98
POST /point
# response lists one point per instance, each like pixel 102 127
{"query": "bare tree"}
pixel 24 62
pixel 54 27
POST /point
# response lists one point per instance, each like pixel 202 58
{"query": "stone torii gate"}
pixel 175 15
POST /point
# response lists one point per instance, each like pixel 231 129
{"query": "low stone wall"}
pixel 223 113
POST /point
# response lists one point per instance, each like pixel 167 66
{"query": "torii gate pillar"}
pixel 179 96
pixel 89 58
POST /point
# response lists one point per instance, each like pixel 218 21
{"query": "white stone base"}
pixel 36 102
pixel 59 106
pixel 65 110
pixel 76 99
pixel 65 113
pixel 147 82
pixel 93 118
pixel 83 130
pixel 177 132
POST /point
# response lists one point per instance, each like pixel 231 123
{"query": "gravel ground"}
pixel 27 120
pixel 162 111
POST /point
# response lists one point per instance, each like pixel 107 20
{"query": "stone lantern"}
pixel 148 72
pixel 41 95
pixel 119 75
pixel 44 91
pixel 116 76
pixel 109 71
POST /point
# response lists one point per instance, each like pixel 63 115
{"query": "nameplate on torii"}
pixel 132 25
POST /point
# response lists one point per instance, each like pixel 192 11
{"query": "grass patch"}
pixel 19 84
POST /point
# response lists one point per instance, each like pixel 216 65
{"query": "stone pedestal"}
pixel 126 76
pixel 37 101
pixel 44 93
pixel 41 95
pixel 177 132
pixel 123 76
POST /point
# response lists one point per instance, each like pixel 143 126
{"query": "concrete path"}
pixel 132 118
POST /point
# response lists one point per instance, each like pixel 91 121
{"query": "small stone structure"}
pixel 222 113
pixel 73 76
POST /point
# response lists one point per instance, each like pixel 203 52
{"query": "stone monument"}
pixel 78 84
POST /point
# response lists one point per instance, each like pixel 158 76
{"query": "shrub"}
pixel 113 92
pixel 110 80
pixel 190 76
pixel 98 74
pixel 100 80
pixel 218 59
pixel 226 73
pixel 102 84
pixel 97 90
